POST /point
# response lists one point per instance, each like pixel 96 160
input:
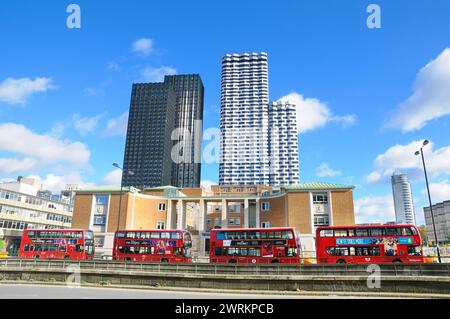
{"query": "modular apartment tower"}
pixel 244 153
pixel 259 141
pixel 163 144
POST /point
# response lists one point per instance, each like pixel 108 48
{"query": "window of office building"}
pixel 160 225
pixel 265 206
pixel 321 209
pixel 161 207
pixel 265 224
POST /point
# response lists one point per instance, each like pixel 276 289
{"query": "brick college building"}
pixel 302 206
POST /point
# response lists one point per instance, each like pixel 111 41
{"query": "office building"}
pixel 147 160
pixel 441 213
pixel 19 211
pixel 303 206
pixel 164 133
pixel 186 166
pixel 403 200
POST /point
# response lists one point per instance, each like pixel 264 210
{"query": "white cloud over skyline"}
pixel 430 99
pixel 143 46
pixel 402 157
pixel 374 209
pixel 33 150
pixel 151 74
pixel 313 114
pixel 18 91
pixel 324 170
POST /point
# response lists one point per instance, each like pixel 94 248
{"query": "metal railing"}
pixel 411 270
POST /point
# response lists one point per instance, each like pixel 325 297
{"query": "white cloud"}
pixel 143 46
pixel 112 178
pixel 150 74
pixel 402 157
pixel 430 99
pixel 14 165
pixel 17 91
pixel 117 126
pixel 85 125
pixel 42 148
pixel 374 209
pixel 56 183
pixel 440 192
pixel 313 114
pixel 326 171
pixel 206 184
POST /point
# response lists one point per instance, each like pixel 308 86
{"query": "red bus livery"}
pixel 57 244
pixel 369 244
pixel 254 246
pixel 153 245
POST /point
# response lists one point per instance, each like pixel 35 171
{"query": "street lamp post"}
pixel 420 152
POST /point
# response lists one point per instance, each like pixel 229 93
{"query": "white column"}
pixel 202 216
pixel 169 215
pixel 257 222
pixel 246 213
pixel 224 221
pixel 202 226
pixel 181 222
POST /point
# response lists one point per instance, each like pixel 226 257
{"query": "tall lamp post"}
pixel 420 152
pixel 121 191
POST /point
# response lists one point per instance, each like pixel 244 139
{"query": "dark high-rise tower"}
pixel 148 145
pixel 164 134
pixel 186 168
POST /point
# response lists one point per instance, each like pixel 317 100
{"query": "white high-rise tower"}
pixel 403 200
pixel 244 120
pixel 258 141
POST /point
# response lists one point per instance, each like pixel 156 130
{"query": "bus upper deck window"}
pixel 326 233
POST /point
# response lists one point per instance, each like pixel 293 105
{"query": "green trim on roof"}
pixel 318 186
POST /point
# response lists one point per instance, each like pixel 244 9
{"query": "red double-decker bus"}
pixel 57 244
pixel 153 245
pixel 372 244
pixel 254 246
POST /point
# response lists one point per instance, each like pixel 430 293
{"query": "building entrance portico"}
pixel 200 215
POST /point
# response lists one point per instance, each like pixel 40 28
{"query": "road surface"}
pixel 8 291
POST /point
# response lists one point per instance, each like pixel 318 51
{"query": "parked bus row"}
pixel 341 245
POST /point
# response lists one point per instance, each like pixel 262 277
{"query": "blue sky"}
pixel 366 97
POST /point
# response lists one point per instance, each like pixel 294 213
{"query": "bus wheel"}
pixel 36 257
pixel 127 259
pixel 232 261
pixel 341 261
pixel 66 257
pixel 164 260
pixel 275 261
pixel 397 261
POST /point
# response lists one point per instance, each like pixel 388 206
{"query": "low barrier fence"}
pixel 234 269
